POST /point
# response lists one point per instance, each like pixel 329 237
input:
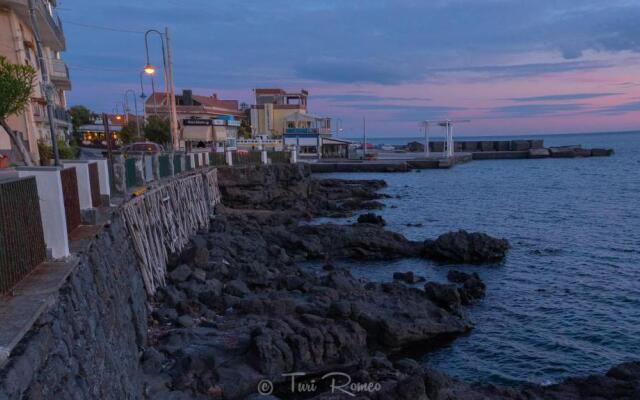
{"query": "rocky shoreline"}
pixel 239 312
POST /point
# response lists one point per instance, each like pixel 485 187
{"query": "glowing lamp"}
pixel 149 69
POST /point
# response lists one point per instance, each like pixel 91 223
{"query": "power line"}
pixel 104 28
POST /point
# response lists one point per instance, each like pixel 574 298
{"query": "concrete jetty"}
pixel 465 151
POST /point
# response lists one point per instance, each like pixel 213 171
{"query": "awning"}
pixel 197 133
pixel 219 133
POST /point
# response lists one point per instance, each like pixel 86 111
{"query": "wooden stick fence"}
pixel 162 221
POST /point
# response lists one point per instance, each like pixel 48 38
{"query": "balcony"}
pixel 308 131
pixel 60 74
pixel 50 27
pixel 61 115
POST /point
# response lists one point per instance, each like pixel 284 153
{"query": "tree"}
pixel 129 132
pixel 244 130
pixel 16 86
pixel 80 115
pixel 157 130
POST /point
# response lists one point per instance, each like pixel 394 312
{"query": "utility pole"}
pixel 109 139
pixel 46 86
pixel 174 112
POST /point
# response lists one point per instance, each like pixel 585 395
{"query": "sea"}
pixel 566 300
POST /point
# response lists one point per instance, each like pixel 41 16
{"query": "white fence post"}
pixel 263 157
pixel 105 183
pixel 294 157
pixel 229 157
pixel 84 181
pixel 52 212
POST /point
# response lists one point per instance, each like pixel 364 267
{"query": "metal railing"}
pixel 164 166
pixel 217 159
pixel 278 157
pixel 249 158
pixel 22 245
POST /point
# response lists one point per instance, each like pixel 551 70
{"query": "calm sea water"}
pixel 566 301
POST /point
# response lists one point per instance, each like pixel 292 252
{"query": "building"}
pixel 93 134
pixel 204 121
pixel 283 115
pixel 18 45
pixel 273 107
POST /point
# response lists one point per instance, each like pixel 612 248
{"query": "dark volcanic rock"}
pixel 472 286
pixel 465 247
pixel 291 188
pixel 408 277
pixel 371 218
pixel 361 242
pixel 446 296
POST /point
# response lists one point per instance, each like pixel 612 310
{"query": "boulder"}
pixel 237 288
pixel 180 274
pixel 408 277
pixel 472 286
pixel 370 218
pixel 465 247
pixel 444 295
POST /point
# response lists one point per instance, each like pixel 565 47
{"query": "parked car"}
pixel 147 147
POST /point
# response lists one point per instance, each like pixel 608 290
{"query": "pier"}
pixel 463 151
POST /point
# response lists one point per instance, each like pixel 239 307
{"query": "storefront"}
pixel 218 134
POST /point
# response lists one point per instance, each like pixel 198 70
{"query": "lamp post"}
pixel 149 69
pixel 143 96
pixel 135 107
pixel 116 111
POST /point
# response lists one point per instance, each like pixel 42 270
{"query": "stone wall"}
pixel 87 343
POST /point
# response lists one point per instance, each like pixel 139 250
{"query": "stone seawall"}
pixel 86 344
pixel 87 341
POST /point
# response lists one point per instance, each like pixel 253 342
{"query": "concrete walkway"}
pixel 20 310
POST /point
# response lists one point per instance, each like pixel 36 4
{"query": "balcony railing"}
pixel 50 26
pixel 308 131
pixel 60 74
pixel 61 114
pixel 54 23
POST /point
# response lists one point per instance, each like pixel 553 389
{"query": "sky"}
pixel 509 66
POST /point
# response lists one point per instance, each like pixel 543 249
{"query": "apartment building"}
pixel 202 120
pixel 18 45
pixel 272 108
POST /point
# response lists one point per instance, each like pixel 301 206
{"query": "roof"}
pixel 207 105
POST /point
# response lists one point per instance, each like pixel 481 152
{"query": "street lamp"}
pixel 149 69
pixel 116 111
pixel 135 107
pixel 168 78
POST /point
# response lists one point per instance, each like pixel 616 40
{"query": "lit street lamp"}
pixel 149 69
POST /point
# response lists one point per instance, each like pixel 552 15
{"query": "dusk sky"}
pixel 512 67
